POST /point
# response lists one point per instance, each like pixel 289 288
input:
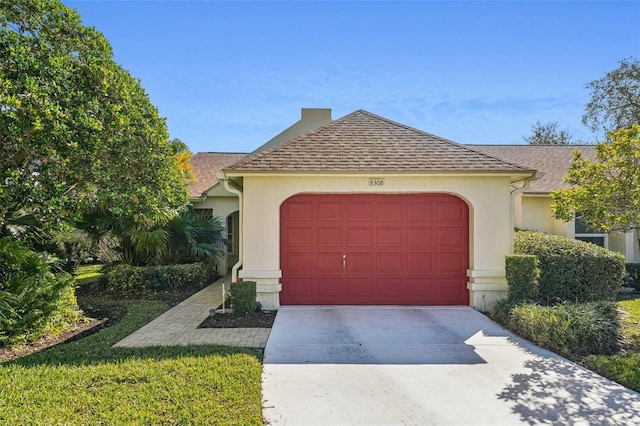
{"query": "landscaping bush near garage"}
pixel 128 279
pixel 572 270
pixel 632 277
pixel 243 297
pixel 573 330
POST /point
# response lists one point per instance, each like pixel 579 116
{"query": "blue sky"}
pixel 230 75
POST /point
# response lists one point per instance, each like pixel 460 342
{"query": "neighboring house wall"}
pixel 221 203
pixel 488 198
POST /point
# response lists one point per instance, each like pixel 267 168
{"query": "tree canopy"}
pixel 548 134
pixel 76 129
pixel 605 193
pixel 615 99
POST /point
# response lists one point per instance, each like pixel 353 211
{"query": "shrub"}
pixel 243 297
pixel 128 279
pixel 570 329
pixel 572 270
pixel 632 277
pixel 522 276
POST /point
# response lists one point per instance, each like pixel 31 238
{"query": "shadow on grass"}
pixel 97 349
pixel 557 391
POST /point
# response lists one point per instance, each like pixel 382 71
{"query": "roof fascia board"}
pixel 516 176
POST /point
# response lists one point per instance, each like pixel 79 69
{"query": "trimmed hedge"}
pixel 569 329
pixel 632 277
pixel 572 270
pixel 128 279
pixel 522 276
pixel 243 297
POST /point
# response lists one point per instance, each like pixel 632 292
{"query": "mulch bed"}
pixel 227 320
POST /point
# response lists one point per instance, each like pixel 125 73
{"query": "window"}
pixel 230 233
pixel 583 233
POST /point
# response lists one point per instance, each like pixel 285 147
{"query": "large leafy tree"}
pixel 548 134
pixel 76 129
pixel 605 193
pixel 615 98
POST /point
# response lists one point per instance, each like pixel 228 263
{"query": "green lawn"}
pixel 623 368
pixel 88 382
pixel 88 273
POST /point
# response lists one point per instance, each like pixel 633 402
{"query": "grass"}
pixel 624 368
pixel 88 273
pixel 88 382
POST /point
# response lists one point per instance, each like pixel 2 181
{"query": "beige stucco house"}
pixel 365 210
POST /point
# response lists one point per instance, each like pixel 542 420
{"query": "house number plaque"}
pixel 376 182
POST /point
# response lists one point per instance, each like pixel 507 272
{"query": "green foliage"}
pixel 77 129
pixel 622 368
pixel 570 329
pixel 90 382
pixel 88 273
pixel 632 277
pixel 129 279
pixel 615 98
pixel 605 192
pixel 522 276
pixel 572 270
pixel 548 134
pixel 243 297
pixel 36 301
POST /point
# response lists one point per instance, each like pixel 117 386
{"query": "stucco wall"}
pixel 489 216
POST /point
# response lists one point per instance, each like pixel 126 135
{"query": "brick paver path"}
pixel 178 326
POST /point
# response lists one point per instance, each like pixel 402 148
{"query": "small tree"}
pixel 606 192
pixel 548 134
pixel 615 98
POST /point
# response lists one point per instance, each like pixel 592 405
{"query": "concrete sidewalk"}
pixel 178 326
pixel 385 365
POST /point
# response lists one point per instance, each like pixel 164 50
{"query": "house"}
pixel 365 210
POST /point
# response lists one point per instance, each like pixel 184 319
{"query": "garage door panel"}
pixel 299 211
pixel 329 287
pixel 389 287
pixel 389 263
pixel 359 237
pixel 450 237
pixel 420 287
pixel 329 211
pixel 299 263
pixel 300 287
pixel 390 212
pixel 419 263
pixel 359 287
pixel 449 262
pixel 390 237
pixel 299 236
pixel 329 237
pixel 419 237
pixel 374 249
pixel 359 211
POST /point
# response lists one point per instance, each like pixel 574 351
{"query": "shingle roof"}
pixel 205 167
pixel 362 141
pixel 553 160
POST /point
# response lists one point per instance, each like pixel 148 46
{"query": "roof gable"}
pixel 364 142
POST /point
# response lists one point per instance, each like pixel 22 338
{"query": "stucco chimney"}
pixel 310 119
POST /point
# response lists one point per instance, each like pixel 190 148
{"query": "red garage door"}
pixel 364 249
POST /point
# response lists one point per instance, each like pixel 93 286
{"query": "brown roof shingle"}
pixel 205 167
pixel 552 160
pixel 362 141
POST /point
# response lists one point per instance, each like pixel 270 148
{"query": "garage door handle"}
pixel 344 261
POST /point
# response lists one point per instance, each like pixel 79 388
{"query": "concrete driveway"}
pixel 425 366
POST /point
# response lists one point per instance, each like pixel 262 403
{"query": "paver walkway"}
pixel 178 326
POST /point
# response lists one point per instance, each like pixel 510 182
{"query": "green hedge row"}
pixel 572 270
pixel 569 329
pixel 522 275
pixel 129 279
pixel 632 278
